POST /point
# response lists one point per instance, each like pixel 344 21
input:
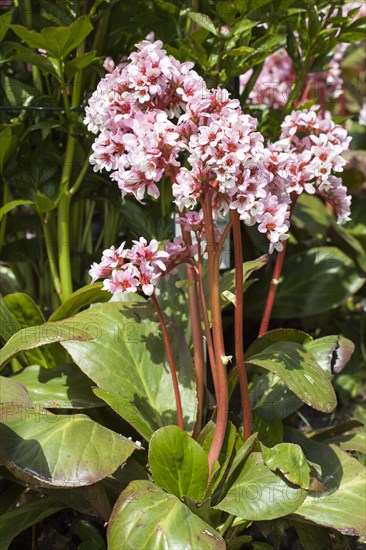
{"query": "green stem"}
pixel 51 255
pixel 63 219
pixel 63 213
pixel 227 524
pixel 81 176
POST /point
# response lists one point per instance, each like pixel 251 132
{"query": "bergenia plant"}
pixel 171 416
pixel 156 117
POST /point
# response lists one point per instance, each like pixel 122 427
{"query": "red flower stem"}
pixel 239 344
pixel 210 349
pixel 272 291
pixel 223 236
pixel 171 362
pixel 197 336
pixel 275 280
pixel 221 386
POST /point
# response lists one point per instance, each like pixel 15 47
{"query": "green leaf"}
pixel 203 20
pixel 332 353
pixel 288 459
pixel 34 337
pixel 243 25
pixel 28 314
pixel 44 203
pixel 8 322
pixel 311 215
pixel 57 41
pixel 354 440
pixel 52 450
pixel 8 144
pixel 313 281
pixel 27 55
pixel 87 532
pixel 82 297
pixel 342 507
pixel 313 537
pixel 240 458
pixel 15 521
pixel 79 63
pixel 259 494
pixel 5 20
pixel 271 398
pixel 349 244
pixel 164 521
pixel 169 7
pixel 227 281
pixel 239 51
pixel 128 336
pixel 178 463
pixel 277 336
pixel 63 387
pixel 13 393
pixel 13 204
pixel 297 368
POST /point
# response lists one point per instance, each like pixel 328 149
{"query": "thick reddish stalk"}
pixel 275 280
pixel 272 291
pixel 221 386
pixel 171 362
pixel 239 344
pixel 210 349
pixel 197 336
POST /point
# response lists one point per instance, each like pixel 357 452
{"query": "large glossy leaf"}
pixel 313 281
pixel 63 387
pixel 288 459
pixel 28 314
pixel 146 517
pixel 33 337
pixel 178 463
pixel 83 297
pixel 343 506
pixel 119 346
pixel 260 494
pixel 297 368
pixel 60 451
pixel 271 398
pixel 13 393
pixel 15 521
pixel 332 353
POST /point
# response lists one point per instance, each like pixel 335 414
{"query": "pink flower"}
pixel 109 64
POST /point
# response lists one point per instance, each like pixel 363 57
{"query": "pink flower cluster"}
pixel 155 111
pixel 140 267
pixel 131 108
pixel 227 161
pixel 306 156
